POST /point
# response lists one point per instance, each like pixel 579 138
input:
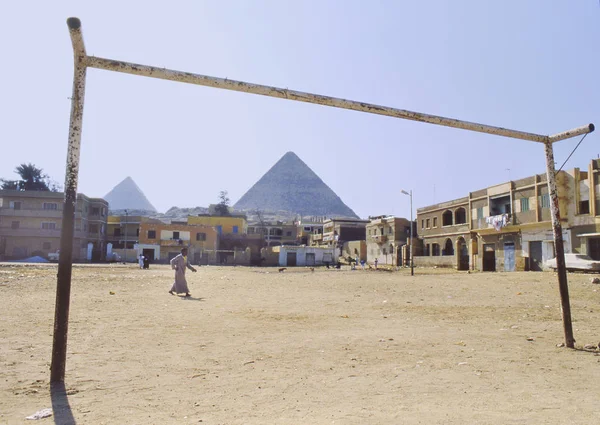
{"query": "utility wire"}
pixel 572 153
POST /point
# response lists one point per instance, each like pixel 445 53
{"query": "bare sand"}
pixel 254 346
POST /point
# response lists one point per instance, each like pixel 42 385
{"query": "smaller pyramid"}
pixel 128 196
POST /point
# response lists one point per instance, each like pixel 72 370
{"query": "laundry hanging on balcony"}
pixel 498 221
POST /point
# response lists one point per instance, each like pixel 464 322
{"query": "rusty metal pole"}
pixel 559 247
pixel 65 262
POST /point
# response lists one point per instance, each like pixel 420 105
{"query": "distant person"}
pixel 375 262
pixel 179 264
pixel 362 264
pixel 146 262
pixel 141 261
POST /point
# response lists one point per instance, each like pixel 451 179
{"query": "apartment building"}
pixel 161 242
pixel 31 221
pixel 275 234
pixel 385 237
pixel 508 227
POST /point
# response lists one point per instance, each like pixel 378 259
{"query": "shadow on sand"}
pixel 192 298
pixel 61 410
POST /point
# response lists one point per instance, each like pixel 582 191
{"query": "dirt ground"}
pixel 254 346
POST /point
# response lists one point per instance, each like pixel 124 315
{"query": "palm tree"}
pixel 32 178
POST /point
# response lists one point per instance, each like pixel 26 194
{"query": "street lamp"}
pixel 126 217
pixel 412 266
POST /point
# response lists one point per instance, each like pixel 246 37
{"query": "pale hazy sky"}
pixel 530 65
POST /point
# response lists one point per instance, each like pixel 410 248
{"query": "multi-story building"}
pixel 508 226
pixel 308 226
pixel 340 230
pixel 30 225
pixel 230 224
pixel 161 242
pixel 123 235
pixel 275 234
pixel 386 235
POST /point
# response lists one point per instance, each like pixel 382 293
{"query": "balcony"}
pixel 174 242
pixel 318 237
pixel 31 212
pixel 379 238
pixel 497 222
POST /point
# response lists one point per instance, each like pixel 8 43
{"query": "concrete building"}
pixel 123 235
pixel 31 221
pixel 230 224
pixel 336 231
pixel 161 242
pixel 275 234
pixel 508 227
pixel 386 235
pixel 308 226
pixel 301 256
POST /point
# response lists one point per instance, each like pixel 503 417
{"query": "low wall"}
pixel 439 261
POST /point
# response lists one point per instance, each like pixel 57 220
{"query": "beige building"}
pixel 386 235
pixel 508 227
pixel 31 221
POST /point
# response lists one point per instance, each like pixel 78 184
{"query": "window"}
pixel 200 236
pixel 427 221
pixel 93 228
pixel 15 205
pixel 151 234
pixel 307 229
pixel 480 212
pixel 460 216
pixel 289 233
pixel 46 245
pixel 117 232
pixel 584 207
pixel 48 226
pixel 422 224
pixel 50 206
pixel 546 200
pixel 435 250
pixel 14 225
pixel 175 235
pixel 235 229
pixel 389 230
pixel 434 221
pixel 447 218
pixel 95 211
pixel 524 204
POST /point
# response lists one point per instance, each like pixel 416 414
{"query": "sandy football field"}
pixel 254 346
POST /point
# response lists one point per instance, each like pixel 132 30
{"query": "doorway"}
pixel 463 254
pixel 489 257
pixel 291 259
pixel 535 256
pixel 509 256
pixel 594 248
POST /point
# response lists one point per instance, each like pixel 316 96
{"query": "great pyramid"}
pixel 128 196
pixel 290 185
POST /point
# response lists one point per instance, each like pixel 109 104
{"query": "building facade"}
pixel 31 222
pixel 161 242
pixel 508 227
pixel 385 237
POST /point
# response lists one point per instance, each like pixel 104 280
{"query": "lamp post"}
pixel 412 267
pixel 126 217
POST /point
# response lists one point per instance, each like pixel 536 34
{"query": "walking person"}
pixel 141 261
pixel 179 264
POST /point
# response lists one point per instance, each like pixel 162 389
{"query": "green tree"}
pixel 222 207
pixel 32 178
